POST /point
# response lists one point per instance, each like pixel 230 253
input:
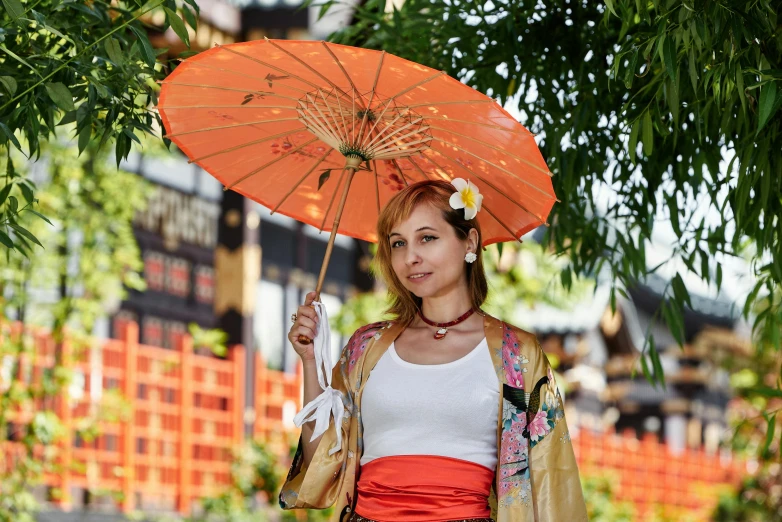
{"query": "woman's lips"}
pixel 419 279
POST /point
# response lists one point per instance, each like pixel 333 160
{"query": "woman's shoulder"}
pixel 361 338
pixel 514 334
pixel 369 330
pixel 522 356
pixel 363 335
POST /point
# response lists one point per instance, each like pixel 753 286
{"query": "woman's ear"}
pixel 472 241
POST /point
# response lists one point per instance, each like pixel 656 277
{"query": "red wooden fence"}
pixel 277 400
pixel 649 475
pixel 184 415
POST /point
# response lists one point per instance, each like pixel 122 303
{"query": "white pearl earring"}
pixel 470 257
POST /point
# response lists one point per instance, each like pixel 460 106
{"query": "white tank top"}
pixel 447 410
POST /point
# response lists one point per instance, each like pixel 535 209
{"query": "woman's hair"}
pixel 404 304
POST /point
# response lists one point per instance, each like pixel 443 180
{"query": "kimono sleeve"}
pixel 316 486
pixel 555 482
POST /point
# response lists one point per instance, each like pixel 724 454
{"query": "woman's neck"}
pixel 445 308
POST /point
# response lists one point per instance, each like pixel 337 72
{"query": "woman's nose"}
pixel 412 257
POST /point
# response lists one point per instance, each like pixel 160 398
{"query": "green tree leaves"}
pixel 89 63
pixel 689 81
pixel 114 51
pixel 61 96
pixel 610 5
pixel 669 57
pixel 142 43
pixel 770 101
pixel 177 25
pixel 648 134
pixel 13 8
pixel 9 84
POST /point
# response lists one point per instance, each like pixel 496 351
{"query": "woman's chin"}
pixel 418 289
pixel 423 293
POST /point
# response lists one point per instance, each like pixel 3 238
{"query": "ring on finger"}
pixel 293 318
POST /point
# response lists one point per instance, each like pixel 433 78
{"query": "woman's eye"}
pixel 396 244
pixel 426 239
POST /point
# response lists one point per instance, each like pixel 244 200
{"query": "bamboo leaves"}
pixel 142 41
pixel 769 103
pixel 177 25
pixel 114 51
pixel 669 57
pixel 13 8
pixel 104 80
pixel 60 95
pixel 9 84
pixel 648 135
pixel 633 145
pixel 610 5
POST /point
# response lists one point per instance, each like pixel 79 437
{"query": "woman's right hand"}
pixel 306 324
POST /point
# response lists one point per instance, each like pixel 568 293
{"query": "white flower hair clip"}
pixel 467 196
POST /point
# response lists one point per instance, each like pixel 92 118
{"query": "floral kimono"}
pixel 536 479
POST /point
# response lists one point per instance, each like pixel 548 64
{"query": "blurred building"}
pixel 599 355
pixel 663 449
pixel 177 236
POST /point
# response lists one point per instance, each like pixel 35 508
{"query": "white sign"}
pixel 179 218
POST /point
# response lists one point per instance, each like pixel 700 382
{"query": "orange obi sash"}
pixel 423 488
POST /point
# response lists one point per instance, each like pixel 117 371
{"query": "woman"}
pixel 450 414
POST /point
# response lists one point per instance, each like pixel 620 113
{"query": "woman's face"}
pixel 426 254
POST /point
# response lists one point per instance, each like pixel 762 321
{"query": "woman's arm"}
pixel 318 486
pixel 556 485
pixel 306 324
pixel 311 390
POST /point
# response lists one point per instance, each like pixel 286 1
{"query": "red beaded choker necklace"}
pixel 443 327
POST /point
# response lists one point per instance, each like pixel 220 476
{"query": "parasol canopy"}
pixel 279 120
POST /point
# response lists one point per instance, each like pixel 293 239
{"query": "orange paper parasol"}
pixel 294 125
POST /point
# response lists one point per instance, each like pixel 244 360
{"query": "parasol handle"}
pixel 352 165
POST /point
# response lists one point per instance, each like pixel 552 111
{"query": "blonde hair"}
pixel 404 304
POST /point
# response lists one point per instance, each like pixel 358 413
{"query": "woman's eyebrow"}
pixel 418 230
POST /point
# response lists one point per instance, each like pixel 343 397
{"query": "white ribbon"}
pixel 330 400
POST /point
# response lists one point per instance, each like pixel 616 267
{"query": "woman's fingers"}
pixel 304 330
pixel 305 325
pixel 310 323
pixel 298 330
pixel 308 312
